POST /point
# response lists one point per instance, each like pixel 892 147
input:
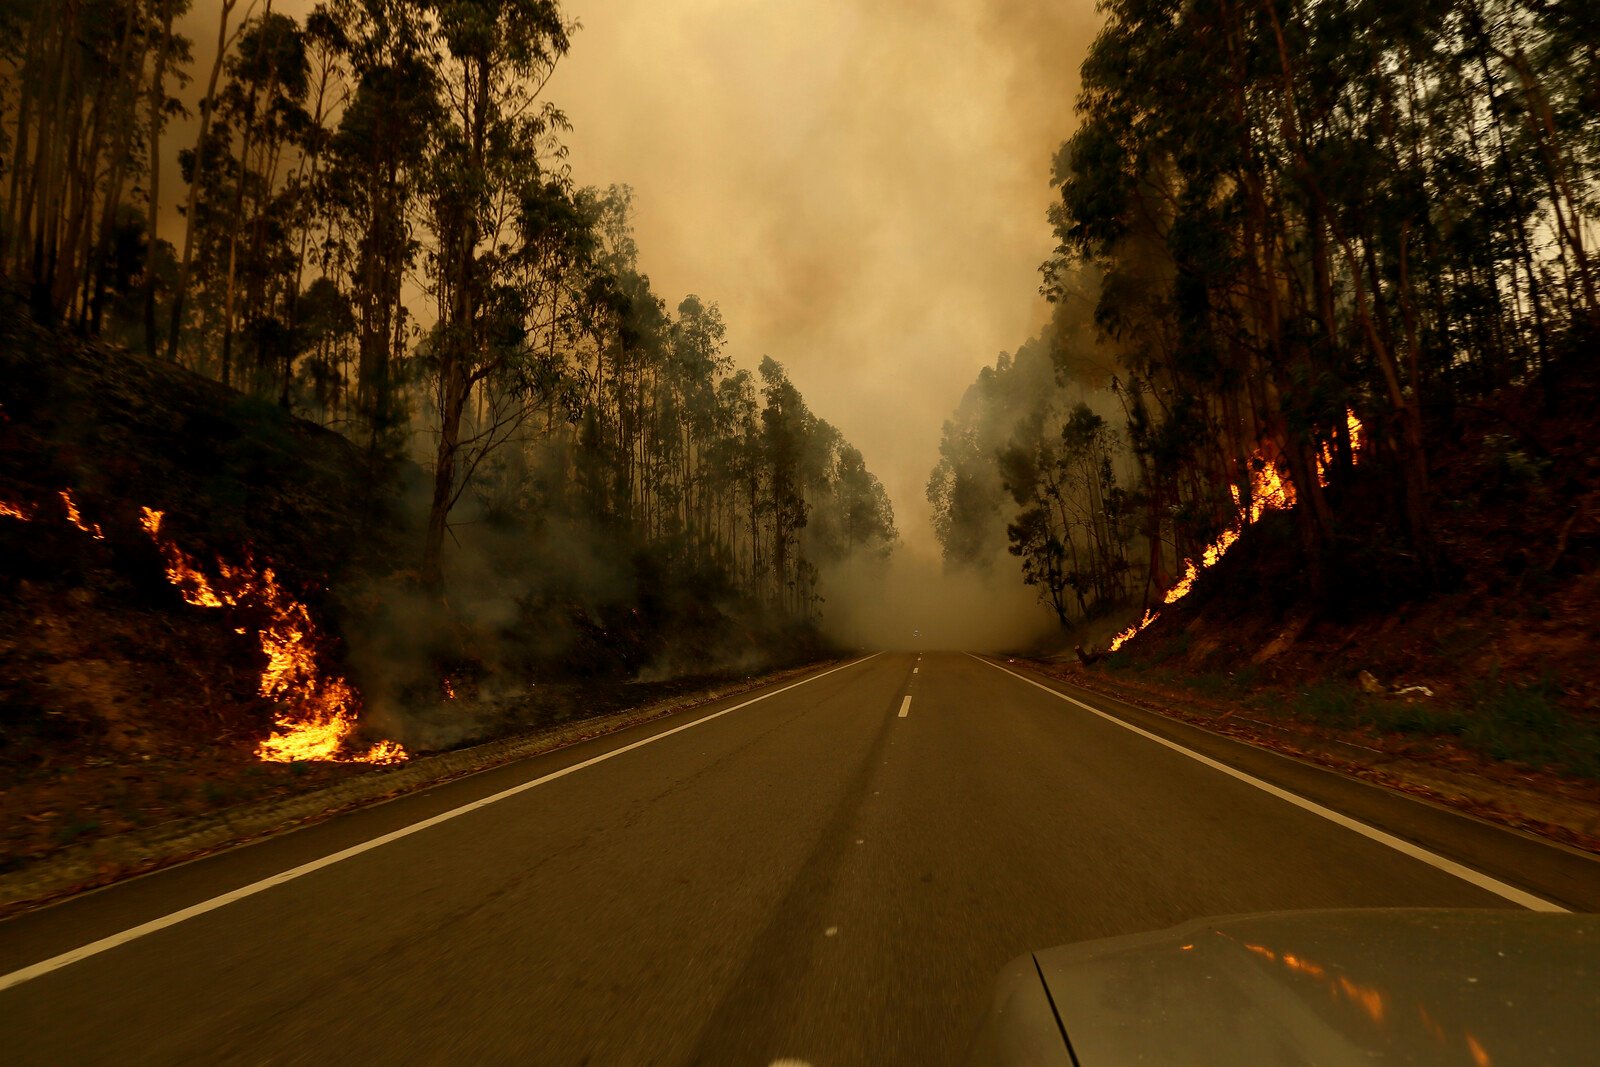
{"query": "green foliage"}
pixel 342 160
pixel 1508 467
pixel 74 827
pixel 1059 463
pixel 1379 211
pixel 1502 720
pixel 1334 704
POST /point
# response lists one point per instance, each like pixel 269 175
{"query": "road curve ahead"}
pixel 831 872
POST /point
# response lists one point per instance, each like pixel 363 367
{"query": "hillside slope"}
pixel 126 701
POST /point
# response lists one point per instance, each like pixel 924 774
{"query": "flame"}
pixel 1269 491
pixel 1295 963
pixel 1370 1000
pixel 1127 635
pixel 449 690
pixel 19 512
pixel 1354 431
pixel 93 529
pixel 317 712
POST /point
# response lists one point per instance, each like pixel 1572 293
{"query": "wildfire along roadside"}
pixel 316 712
pixel 45 877
pixel 1268 492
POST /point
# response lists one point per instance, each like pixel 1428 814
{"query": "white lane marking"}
pixel 1416 852
pixel 94 948
pixel 905 707
pixel 914 670
pixel 831 931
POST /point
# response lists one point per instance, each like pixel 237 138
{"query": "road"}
pixel 821 872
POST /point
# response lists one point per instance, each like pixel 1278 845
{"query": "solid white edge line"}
pixel 905 708
pixel 94 948
pixel 1416 852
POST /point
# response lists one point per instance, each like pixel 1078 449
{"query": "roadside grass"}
pixel 1518 723
pixel 1502 720
pixel 75 827
pixel 1175 647
pixel 1236 685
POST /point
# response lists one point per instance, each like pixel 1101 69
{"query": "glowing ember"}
pixel 92 529
pixel 9 510
pixel 1353 430
pixel 317 712
pixel 449 690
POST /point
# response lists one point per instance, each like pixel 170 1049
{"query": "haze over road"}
pixel 832 872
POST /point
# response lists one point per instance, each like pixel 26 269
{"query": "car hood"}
pixel 1335 987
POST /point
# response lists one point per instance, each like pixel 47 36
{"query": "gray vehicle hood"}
pixel 1336 987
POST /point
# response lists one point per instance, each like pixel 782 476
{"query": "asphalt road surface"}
pixel 824 873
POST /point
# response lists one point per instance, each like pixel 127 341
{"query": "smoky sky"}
pixel 860 184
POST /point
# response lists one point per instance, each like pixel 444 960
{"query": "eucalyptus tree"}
pixel 485 179
pixel 262 107
pixel 227 33
pixel 171 59
pixel 1381 214
pixel 372 185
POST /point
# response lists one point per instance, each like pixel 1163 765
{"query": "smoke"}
pixel 547 615
pixel 913 602
pixel 861 187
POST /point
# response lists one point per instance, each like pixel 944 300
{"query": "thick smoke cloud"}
pixel 914 603
pixel 861 186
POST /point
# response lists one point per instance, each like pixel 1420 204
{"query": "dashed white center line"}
pixel 905 707
pixel 914 670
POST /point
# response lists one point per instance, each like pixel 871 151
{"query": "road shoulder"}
pixel 1548 868
pixel 107 860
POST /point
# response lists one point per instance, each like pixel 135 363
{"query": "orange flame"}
pixel 93 529
pixel 1370 1000
pixel 1269 491
pixel 449 690
pixel 317 713
pixel 1353 430
pixel 1127 635
pixel 15 511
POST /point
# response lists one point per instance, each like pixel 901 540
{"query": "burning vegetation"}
pixel 317 711
pixel 1269 491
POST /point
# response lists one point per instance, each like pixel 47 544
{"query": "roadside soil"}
pixel 1537 801
pixel 73 827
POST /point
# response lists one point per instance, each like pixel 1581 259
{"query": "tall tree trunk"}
pixel 156 110
pixel 207 108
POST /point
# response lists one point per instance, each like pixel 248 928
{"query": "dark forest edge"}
pixel 386 350
pixel 1325 315
pixel 379 233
